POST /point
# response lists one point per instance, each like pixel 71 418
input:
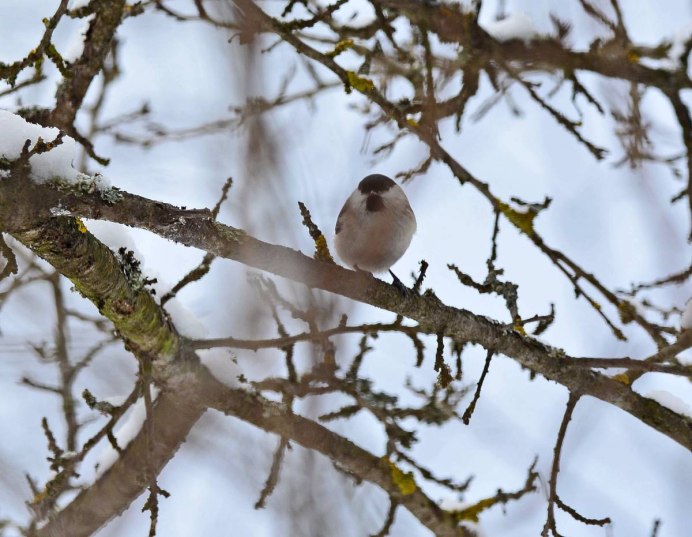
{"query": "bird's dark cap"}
pixel 375 183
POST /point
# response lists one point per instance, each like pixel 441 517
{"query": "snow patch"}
pixel 116 236
pixel 56 163
pixel 185 321
pixel 75 46
pixel 450 503
pixel 673 402
pixel 514 26
pixel 677 47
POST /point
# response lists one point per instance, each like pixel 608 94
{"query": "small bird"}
pixel 375 226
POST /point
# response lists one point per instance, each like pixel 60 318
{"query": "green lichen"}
pixel 57 59
pixel 111 195
pixel 633 56
pixel 230 234
pixel 113 283
pixel 131 268
pixel 404 481
pixel 322 250
pixel 168 343
pixel 624 378
pixel 359 83
pixel 518 327
pixel 84 184
pixel 521 220
pixel 87 184
pixel 472 512
pixel 340 47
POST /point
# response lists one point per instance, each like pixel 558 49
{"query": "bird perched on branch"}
pixel 375 226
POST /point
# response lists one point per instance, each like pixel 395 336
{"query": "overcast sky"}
pixel 615 222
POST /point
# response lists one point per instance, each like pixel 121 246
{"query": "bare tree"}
pixel 420 76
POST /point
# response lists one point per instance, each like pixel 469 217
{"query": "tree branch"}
pixel 196 228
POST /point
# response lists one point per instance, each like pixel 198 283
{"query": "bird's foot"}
pixel 405 291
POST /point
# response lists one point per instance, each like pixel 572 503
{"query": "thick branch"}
pixel 107 18
pixel 98 276
pixel 188 389
pixel 194 229
pixel 275 418
pixel 571 269
pixel 543 54
pixel 173 417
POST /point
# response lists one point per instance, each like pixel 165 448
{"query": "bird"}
pixel 375 227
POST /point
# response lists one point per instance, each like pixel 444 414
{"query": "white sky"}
pixel 614 222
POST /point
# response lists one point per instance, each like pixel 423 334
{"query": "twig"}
pixel 604 363
pixel 598 152
pixel 273 477
pixel 655 528
pixel 444 374
pixel 466 418
pixel 202 269
pixel 10 72
pixel 676 278
pixel 321 248
pixel 473 512
pixel 421 276
pixel 427 474
pixel 553 497
pixel 256 344
pixel 388 521
pixel 152 502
